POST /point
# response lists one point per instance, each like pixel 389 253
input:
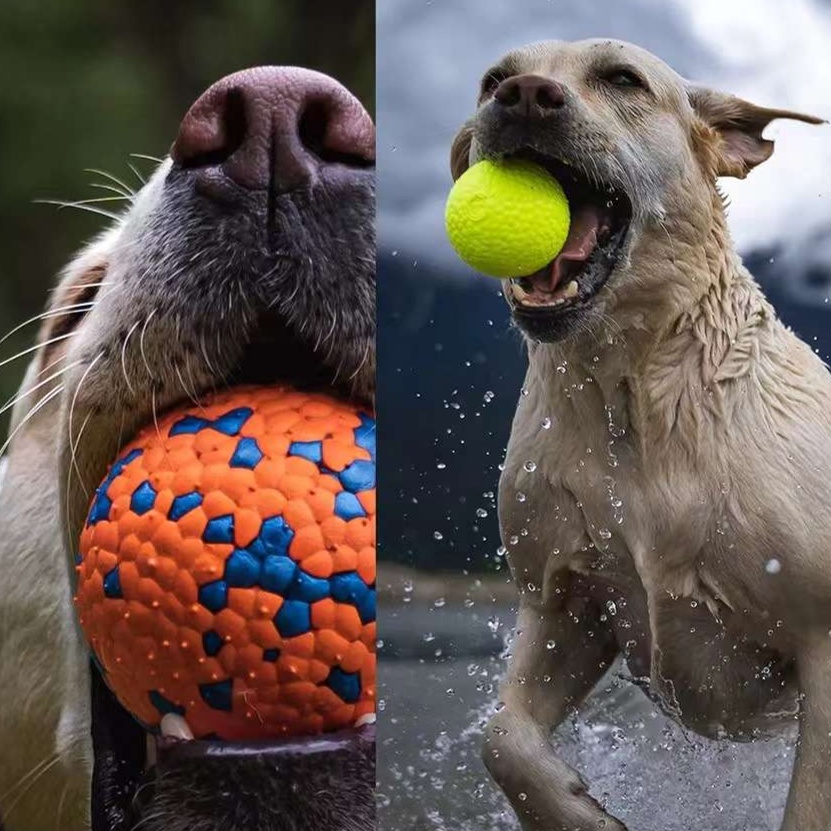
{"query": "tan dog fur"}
pixel 690 446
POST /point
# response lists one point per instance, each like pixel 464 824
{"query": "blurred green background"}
pixel 88 82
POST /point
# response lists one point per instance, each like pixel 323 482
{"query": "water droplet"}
pixel 550 644
pixel 520 496
pixel 530 466
pixel 773 566
pixel 437 535
pixel 546 423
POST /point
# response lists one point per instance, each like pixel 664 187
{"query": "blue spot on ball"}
pixel 218 695
pixel 143 499
pixel 359 476
pixel 348 587
pixel 184 505
pixel 214 596
pixel 211 643
pixel 220 529
pixel 274 538
pixel 365 435
pixel 307 588
pixel 232 422
pixel 164 705
pixel 229 424
pixel 294 618
pixel 242 569
pixel 348 507
pixel 112 584
pixel 102 504
pixel 247 454
pixel 311 450
pixel 277 574
pixel 347 685
pixel 271 655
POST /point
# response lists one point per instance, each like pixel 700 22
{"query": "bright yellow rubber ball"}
pixel 507 219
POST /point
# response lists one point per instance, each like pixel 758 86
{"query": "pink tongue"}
pixel 581 241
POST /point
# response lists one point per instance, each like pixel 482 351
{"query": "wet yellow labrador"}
pixel 672 455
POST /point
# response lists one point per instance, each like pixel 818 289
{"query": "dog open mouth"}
pixel 600 220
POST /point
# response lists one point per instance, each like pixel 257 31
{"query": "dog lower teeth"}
pixel 531 298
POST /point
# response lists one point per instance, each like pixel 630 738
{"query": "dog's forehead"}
pixel 556 56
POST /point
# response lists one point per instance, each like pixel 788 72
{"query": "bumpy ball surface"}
pixel 507 219
pixel 227 567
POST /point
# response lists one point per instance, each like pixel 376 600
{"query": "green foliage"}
pixel 88 82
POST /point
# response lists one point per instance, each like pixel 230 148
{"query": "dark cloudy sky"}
pixel 432 53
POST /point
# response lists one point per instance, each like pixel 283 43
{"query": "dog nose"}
pixel 530 95
pixel 275 127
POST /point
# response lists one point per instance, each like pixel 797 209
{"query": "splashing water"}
pixel 643 767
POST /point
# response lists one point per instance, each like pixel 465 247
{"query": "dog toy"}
pixel 226 571
pixel 508 218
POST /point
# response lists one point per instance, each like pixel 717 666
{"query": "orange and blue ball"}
pixel 226 571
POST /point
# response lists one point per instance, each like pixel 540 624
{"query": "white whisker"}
pixel 145 156
pixel 138 175
pixel 73 446
pixel 74 308
pixel 124 357
pixel 35 348
pixel 25 783
pixel 114 179
pixel 141 343
pixel 112 189
pixel 86 208
pixel 14 400
pixel 31 414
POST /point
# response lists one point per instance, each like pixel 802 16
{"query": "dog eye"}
pixel 624 78
pixel 493 78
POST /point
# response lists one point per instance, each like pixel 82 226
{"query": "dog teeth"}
pixel 369 718
pixel 518 291
pixel 174 726
pixel 571 290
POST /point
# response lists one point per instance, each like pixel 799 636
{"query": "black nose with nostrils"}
pixel 530 96
pixel 275 127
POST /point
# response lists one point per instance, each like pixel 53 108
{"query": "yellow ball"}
pixel 507 219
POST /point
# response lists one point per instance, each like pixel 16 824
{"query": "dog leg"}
pixel 559 653
pixel 809 799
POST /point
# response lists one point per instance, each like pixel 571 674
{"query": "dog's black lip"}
pixel 587 289
pixel 549 323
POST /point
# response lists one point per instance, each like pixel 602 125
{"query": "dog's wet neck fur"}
pixel 684 321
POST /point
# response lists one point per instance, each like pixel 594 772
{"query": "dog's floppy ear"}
pixel 460 151
pixel 735 130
